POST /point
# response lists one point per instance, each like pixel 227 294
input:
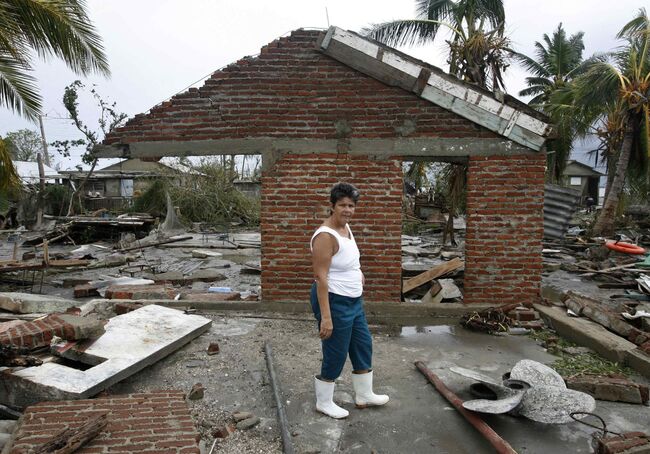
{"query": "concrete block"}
pixel 27 303
pixel 587 333
pixel 205 276
pixel 81 327
pixel 639 361
pixel 7 426
pixel 131 342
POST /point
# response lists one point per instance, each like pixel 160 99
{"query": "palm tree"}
pixel 46 28
pixel 9 180
pixel 557 61
pixel 615 91
pixel 477 54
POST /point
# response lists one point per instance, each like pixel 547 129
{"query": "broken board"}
pixel 131 342
pixel 433 273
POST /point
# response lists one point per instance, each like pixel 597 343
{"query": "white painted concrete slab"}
pixel 131 342
pixel 28 303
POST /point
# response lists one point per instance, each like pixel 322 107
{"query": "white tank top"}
pixel 344 276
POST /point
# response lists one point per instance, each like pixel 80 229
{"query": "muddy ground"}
pixel 416 420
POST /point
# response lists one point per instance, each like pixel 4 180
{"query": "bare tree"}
pixel 109 119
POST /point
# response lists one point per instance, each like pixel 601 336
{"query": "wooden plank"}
pixel 433 273
pixel 70 440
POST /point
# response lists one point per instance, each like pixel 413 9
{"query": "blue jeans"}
pixel 350 335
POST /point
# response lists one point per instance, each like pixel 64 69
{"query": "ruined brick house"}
pixel 323 107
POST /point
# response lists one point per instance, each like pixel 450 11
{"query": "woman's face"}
pixel 343 209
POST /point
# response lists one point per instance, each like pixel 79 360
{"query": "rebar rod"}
pixel 287 443
pixel 500 445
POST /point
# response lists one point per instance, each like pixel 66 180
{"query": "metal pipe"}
pixel 501 446
pixel 287 444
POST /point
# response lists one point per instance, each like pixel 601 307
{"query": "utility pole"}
pixel 46 155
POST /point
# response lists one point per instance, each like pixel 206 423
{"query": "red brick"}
pixel 165 430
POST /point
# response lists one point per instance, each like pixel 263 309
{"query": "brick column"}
pixel 295 200
pixel 505 227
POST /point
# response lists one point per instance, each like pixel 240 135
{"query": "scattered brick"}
pixel 223 431
pixel 615 389
pixel 627 443
pixel 140 292
pixel 197 392
pixel 85 291
pixel 123 308
pixel 156 422
pixel 213 348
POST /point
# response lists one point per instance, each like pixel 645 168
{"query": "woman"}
pixel 338 306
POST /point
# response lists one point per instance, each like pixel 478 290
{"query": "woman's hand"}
pixel 326 328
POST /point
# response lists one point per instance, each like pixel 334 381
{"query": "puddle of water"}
pixel 408 331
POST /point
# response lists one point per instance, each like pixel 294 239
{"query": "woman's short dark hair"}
pixel 342 190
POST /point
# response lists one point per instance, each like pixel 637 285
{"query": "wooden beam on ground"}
pixel 70 440
pixel 433 273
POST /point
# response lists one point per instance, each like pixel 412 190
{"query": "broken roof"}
pixel 508 117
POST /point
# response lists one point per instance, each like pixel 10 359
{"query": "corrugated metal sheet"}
pixel 560 204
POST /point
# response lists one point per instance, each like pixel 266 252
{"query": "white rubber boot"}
pixel 324 402
pixel 364 397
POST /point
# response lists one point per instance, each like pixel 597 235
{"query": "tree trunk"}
pixel 41 192
pixel 80 188
pixel 605 222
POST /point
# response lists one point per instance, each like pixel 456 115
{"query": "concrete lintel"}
pixel 131 342
pixel 381 148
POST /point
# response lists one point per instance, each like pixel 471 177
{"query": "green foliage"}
pixel 208 195
pixel 153 200
pixel 570 364
pixel 31 29
pixel 477 48
pixel 9 180
pixel 24 144
pixel 56 197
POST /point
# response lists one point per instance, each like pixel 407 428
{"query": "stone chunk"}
pixel 213 348
pixel 197 392
pixel 224 431
pixel 248 423
pixel 242 415
pixel 27 303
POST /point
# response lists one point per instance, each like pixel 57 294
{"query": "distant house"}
pixel 114 187
pixel 584 178
pixel 28 173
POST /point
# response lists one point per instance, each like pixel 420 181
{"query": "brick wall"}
pixel 157 422
pixel 505 202
pixel 291 90
pixel 295 201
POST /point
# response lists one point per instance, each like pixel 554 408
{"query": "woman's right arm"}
pixel 322 253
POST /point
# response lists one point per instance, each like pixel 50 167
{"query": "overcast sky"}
pixel 157 48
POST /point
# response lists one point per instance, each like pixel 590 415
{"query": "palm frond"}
pixel 636 28
pixel 9 179
pixel 404 32
pixel 531 65
pixel 18 90
pixel 62 28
